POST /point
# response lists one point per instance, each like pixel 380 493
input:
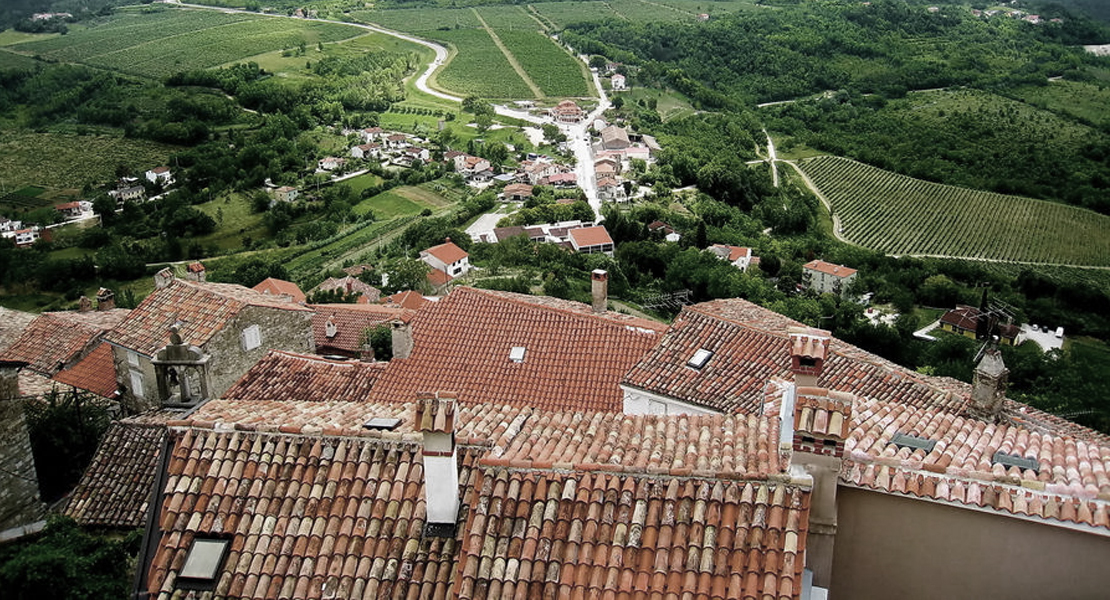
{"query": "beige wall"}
pixel 895 547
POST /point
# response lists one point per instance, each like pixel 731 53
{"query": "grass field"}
pixel 165 42
pixel 402 201
pixel 11 36
pixel 234 221
pixel 1084 101
pixel 421 19
pixel 71 161
pixel 900 215
pixel 550 67
pixel 366 180
pixel 479 68
pixel 11 60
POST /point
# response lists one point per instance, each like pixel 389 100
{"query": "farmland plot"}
pixel 479 68
pixel 900 215
pixel 157 45
pixel 416 20
pixel 555 71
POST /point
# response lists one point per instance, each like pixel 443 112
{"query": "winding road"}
pixel 578 138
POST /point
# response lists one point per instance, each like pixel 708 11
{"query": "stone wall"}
pixel 19 487
pixel 281 330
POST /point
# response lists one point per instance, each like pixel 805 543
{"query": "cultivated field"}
pixel 479 68
pixel 900 215
pixel 71 161
pixel 550 67
pixel 162 43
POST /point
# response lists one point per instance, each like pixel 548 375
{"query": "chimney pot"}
pixel 84 304
pixel 808 349
pixel 988 387
pixel 164 278
pixel 105 299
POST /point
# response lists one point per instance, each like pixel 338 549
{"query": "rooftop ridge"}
pixel 641 471
pixel 586 312
pixel 407 438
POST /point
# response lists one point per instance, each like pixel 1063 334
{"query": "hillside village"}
pixel 732 454
pixel 570 373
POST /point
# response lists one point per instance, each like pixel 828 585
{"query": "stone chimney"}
pixel 9 379
pixel 196 272
pixel 84 304
pixel 105 299
pixel 435 419
pixel 366 353
pixel 808 348
pixel 402 339
pixel 599 280
pixel 988 388
pixel 164 278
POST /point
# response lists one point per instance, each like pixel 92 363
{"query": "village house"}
pixel 614 138
pixel 516 192
pixel 617 82
pixel 9 226
pixel 26 237
pixel 738 256
pixel 281 288
pixel 447 258
pixel 567 111
pixel 372 134
pixel 965 320
pixel 160 175
pixel 537 170
pixel 561 181
pixel 366 151
pixel 397 141
pixel 331 163
pixel 666 231
pixel 611 190
pixel 591 240
pixel 414 155
pixel 286 193
pixel 189 341
pixel 340 330
pixel 351 285
pixel 782 460
pixel 74 210
pixel 827 278
pixel 134 193
pixel 607 165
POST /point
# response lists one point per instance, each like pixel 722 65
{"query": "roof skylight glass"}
pixel 517 354
pixel 204 559
pixel 699 359
pixel 386 423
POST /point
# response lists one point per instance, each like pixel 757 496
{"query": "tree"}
pixel 407 274
pixel 105 206
pixel 476 106
pixel 597 61
pixel 65 428
pixel 380 339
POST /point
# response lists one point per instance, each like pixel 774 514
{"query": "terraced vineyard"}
pixel 549 66
pixel 901 215
pixel 159 44
pixel 479 68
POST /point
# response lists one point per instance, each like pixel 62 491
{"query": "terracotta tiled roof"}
pixel 304 513
pixel 410 300
pixel 284 375
pixel 349 322
pixel 277 287
pixel 573 358
pixel 1071 484
pixel 115 489
pixel 518 189
pixel 202 309
pixel 196 267
pixel 357 270
pixel 967 319
pixel 95 373
pixel 578 535
pixel 830 268
pixel 438 278
pixel 56 340
pixel 12 324
pixel 447 253
pixel 591 236
pixel 349 285
pixel 750 345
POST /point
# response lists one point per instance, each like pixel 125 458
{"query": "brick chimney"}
pixel 164 278
pixel 435 419
pixel 105 299
pixel 808 348
pixel 821 421
pixel 84 304
pixel 988 387
pixel 599 280
pixel 402 338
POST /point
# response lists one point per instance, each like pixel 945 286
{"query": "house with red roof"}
pixel 965 320
pixel 350 285
pixel 342 329
pixel 517 192
pixel 827 278
pixel 591 240
pixel 448 259
pixel 160 175
pixel 738 256
pixel 281 288
pixel 567 111
pixel 189 341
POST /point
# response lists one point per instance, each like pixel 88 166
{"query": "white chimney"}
pixel 435 419
pixel 401 336
pixel 600 289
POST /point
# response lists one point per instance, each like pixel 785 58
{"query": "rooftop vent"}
pixel 517 354
pixel 699 358
pixel 1013 460
pixel 382 424
pixel 903 440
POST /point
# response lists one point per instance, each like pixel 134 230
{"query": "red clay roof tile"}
pixel 282 375
pixel 56 340
pixel 95 373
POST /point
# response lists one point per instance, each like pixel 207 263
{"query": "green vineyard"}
pixel 901 215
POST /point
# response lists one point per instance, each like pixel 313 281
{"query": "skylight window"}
pixel 382 423
pixel 203 562
pixel 517 354
pixel 699 359
pixel 1013 460
pixel 903 440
